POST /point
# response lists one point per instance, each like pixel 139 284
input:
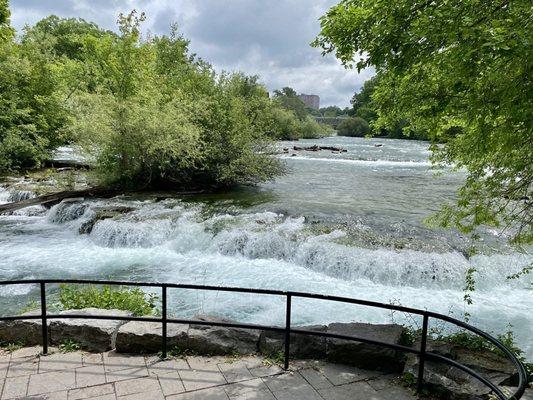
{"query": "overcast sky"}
pixel 267 38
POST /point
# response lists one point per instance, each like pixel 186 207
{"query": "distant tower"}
pixel 310 100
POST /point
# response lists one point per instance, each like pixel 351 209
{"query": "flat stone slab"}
pixel 26 331
pixel 494 367
pixel 146 337
pixel 216 340
pixel 92 334
pixel 364 355
pixel 303 346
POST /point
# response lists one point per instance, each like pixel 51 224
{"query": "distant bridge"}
pixel 331 121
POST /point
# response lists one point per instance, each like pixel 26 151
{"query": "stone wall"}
pixel 145 337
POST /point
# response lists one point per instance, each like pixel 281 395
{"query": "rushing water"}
pixel 338 223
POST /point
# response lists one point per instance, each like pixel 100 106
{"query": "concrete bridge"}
pixel 331 121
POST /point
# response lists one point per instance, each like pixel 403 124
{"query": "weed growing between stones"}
pixel 10 347
pixel 69 346
pixel 277 358
pixel 179 352
pixel 428 392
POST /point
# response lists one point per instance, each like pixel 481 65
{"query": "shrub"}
pixel 285 125
pixel 357 127
pixel 160 118
pixel 106 297
pixel 312 129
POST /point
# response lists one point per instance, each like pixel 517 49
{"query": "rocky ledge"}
pixel 145 337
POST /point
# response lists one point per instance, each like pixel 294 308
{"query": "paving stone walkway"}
pixel 113 376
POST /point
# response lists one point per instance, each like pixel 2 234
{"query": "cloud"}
pixel 269 39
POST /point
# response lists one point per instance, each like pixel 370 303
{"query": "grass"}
pixel 106 297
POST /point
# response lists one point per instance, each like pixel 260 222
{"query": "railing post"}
pixel 287 331
pixel 43 318
pixel 164 320
pixel 422 355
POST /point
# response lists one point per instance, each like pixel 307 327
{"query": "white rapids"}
pixel 275 237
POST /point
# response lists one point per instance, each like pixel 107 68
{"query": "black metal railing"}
pixel 287 329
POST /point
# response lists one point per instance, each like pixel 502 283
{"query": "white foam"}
pixel 171 242
pixel 386 163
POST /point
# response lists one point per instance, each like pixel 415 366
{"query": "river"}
pixel 348 224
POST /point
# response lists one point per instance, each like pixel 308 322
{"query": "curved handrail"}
pixel 522 376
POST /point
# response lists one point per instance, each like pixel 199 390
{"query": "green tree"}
pixel 331 111
pixel 285 125
pixel 158 117
pixel 66 35
pixel 289 100
pixel 32 112
pixel 6 32
pixel 460 70
pixel 363 98
pixel 356 126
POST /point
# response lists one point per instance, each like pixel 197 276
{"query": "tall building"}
pixel 310 100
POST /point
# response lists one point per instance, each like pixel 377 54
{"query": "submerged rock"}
pixel 68 210
pixel 19 195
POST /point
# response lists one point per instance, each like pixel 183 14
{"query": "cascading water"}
pixel 10 196
pixel 326 227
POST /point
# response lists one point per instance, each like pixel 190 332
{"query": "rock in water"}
pixel 101 214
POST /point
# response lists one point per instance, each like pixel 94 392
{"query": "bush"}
pixel 312 129
pixel 356 127
pixel 106 297
pixel 162 119
pixel 287 126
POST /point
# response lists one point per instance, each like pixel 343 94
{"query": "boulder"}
pixel 215 340
pixel 25 331
pixel 92 334
pixel 145 337
pixel 366 355
pixel 304 346
pixel 457 384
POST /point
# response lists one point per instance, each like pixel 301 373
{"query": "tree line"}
pixel 145 110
